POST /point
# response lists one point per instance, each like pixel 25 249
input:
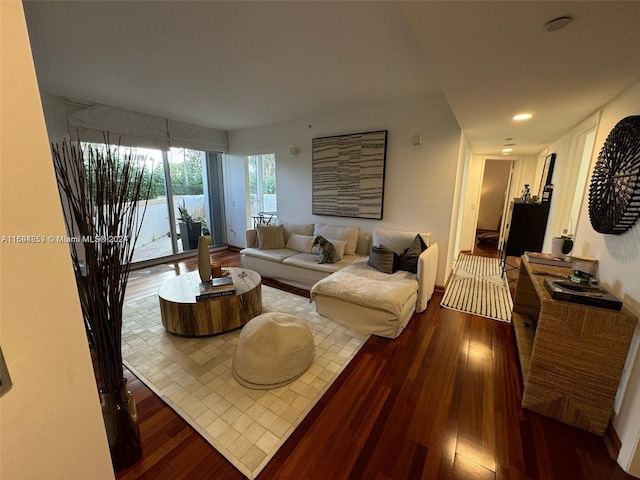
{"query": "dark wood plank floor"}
pixel 442 401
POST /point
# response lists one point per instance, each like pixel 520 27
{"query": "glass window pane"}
pixel 154 239
pixel 155 235
pixel 262 188
pixel 186 173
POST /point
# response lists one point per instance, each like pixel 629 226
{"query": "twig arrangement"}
pixel 100 194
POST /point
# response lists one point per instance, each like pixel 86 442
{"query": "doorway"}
pixel 491 207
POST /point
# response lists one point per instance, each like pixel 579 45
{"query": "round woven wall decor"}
pixel 614 193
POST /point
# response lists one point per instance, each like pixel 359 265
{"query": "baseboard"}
pixel 612 441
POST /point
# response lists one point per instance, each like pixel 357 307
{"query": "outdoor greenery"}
pixel 268 174
pixel 186 176
pixel 185 169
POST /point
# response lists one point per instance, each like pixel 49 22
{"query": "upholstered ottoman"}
pixel 273 349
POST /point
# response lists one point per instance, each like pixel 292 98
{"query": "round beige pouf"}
pixel 273 349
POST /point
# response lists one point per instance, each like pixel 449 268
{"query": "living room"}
pixel 424 189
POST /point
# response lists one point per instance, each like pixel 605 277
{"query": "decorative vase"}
pixel 121 423
pixel 561 246
pixel 204 262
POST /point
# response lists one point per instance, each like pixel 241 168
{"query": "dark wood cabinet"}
pixel 527 227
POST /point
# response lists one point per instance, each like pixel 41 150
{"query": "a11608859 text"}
pixel 63 239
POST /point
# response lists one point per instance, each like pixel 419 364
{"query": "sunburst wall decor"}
pixel 614 193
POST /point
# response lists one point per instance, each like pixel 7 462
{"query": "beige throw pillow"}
pixel 297 228
pixel 338 232
pixel 270 237
pixel 300 243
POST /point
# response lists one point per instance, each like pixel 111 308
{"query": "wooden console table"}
pixel 571 355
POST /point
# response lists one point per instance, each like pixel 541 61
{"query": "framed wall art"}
pixel 547 172
pixel 348 175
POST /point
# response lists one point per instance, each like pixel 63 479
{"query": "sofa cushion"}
pixel 338 232
pixel 339 245
pixel 300 243
pixel 397 240
pixel 409 258
pixel 274 254
pixel 270 237
pixel 383 259
pixel 310 261
pixel 363 285
pixel 297 228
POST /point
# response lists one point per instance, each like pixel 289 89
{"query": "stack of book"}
pixel 547 259
pixel 215 288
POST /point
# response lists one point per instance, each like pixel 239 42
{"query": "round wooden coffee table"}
pixel 182 315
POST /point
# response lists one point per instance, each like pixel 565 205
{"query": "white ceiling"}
pixel 237 64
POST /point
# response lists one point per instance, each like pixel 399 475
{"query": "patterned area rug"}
pixel 478 287
pixel 194 377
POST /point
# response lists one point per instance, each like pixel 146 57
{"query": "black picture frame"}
pixel 547 172
pixel 349 174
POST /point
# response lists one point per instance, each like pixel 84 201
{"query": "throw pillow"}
pixel 409 258
pixel 298 228
pixel 270 237
pixel 300 243
pixel 397 240
pixel 383 259
pixel 338 232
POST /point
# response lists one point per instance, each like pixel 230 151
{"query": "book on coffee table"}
pixel 214 288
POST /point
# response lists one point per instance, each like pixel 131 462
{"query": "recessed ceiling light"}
pixel 522 116
pixel 507 150
pixel 557 24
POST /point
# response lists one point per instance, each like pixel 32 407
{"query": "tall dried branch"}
pixel 101 194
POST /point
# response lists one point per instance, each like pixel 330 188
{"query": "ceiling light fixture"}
pixel 507 150
pixel 557 24
pixel 522 116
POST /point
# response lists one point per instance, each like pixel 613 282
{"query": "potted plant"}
pixel 100 194
pixel 190 228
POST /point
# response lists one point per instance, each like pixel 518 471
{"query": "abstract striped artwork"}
pixel 478 287
pixel 348 175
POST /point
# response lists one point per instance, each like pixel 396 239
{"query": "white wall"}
pixel 459 197
pixel 236 199
pixel 619 264
pixel 619 261
pixel 419 179
pixel 50 423
pixel 565 176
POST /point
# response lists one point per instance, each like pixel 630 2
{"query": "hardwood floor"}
pixel 442 401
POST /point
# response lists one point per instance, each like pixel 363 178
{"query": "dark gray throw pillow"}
pixel 409 258
pixel 383 259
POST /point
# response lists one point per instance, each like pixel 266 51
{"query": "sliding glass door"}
pixel 185 200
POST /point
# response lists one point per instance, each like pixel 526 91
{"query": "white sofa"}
pixel 350 291
pixel 295 264
pixel 372 301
